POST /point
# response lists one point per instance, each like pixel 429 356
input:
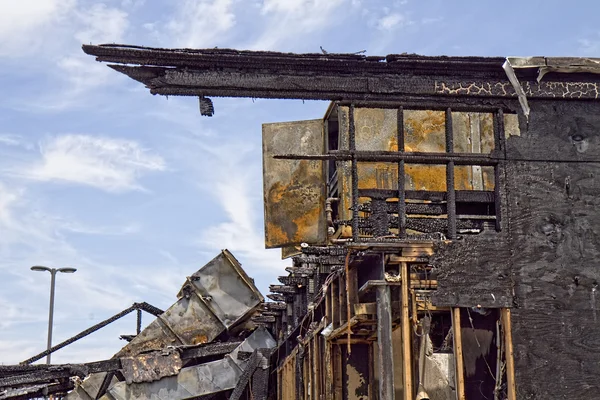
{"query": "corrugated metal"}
pixel 294 190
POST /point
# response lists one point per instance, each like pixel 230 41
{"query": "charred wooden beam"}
pixel 232 73
pixel 276 306
pixel 283 289
pixel 209 350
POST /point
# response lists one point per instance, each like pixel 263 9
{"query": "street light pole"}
pixel 53 272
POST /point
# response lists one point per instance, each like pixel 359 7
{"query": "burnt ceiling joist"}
pixel 340 77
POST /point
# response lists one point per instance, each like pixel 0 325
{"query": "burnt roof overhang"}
pixel 338 77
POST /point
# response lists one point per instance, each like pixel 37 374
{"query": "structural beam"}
pixel 458 355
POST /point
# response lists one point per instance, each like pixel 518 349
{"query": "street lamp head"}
pixel 40 268
pixel 67 270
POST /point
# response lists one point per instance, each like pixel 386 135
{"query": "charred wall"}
pixel 544 261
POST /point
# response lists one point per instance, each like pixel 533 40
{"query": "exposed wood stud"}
pixel 406 333
pixel 458 355
pixel 509 354
pixel 335 305
pixel 384 340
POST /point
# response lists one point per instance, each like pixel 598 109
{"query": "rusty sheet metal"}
pixel 213 299
pixel 226 290
pixel 187 322
pixel 290 251
pixel 294 190
pixel 150 367
pixel 191 382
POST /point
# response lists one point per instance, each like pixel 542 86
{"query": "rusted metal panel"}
pixel 225 289
pixel 150 367
pixel 294 190
pixel 213 299
pixel 195 381
pixel 290 251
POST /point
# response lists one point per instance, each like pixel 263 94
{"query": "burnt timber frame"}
pixel 541 260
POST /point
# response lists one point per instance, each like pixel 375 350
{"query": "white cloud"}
pixel 198 23
pixel 286 19
pixel 110 164
pixel 391 21
pixel 590 46
pixel 237 189
pixel 101 24
pixel 25 24
pixel 9 139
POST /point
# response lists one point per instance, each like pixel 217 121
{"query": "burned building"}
pixel 440 220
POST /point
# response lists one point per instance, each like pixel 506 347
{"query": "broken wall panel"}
pixel 556 267
pixel 558 131
pixel 294 190
pixel 556 354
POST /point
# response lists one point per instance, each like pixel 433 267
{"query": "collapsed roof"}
pixel 205 343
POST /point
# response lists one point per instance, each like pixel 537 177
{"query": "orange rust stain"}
pixel 488 178
pixel 295 200
pixel 200 339
pixel 425 130
pixel 462 178
pixel 426 177
pixel 393 144
pixel 306 224
pixel 275 235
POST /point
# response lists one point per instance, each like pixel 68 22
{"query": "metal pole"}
pixel 51 316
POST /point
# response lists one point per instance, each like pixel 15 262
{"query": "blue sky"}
pixel 139 191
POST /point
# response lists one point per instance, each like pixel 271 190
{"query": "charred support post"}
pixel 458 355
pixel 354 167
pixel 335 305
pixel 406 333
pixel 401 183
pixel 138 322
pixel 451 198
pixel 499 144
pixel 384 340
pixel 342 293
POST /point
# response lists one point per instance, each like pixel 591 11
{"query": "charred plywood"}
pixel 294 190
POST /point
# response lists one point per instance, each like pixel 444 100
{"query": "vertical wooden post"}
pixel 458 355
pixel 317 362
pixel 352 289
pixel 406 333
pixel 510 362
pixel 335 305
pixel 328 305
pixel 337 372
pixel 385 354
pixel 343 306
pixel 328 370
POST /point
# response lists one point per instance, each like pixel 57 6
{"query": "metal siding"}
pixel 294 190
